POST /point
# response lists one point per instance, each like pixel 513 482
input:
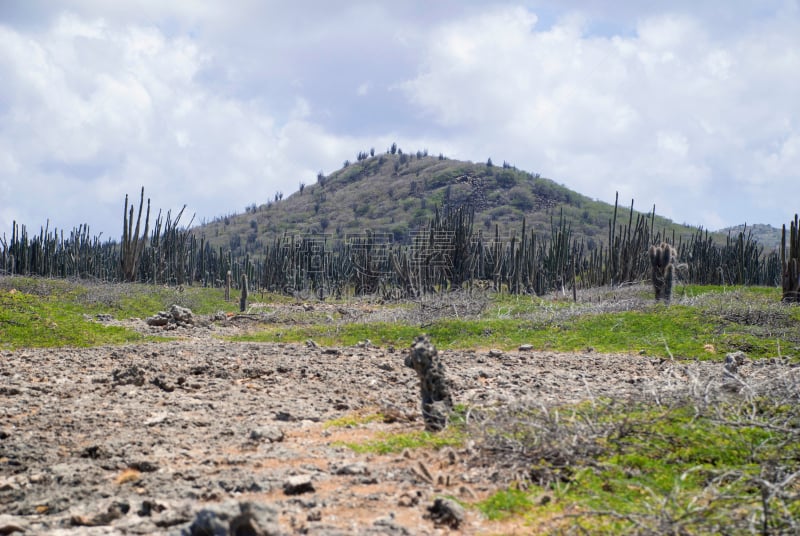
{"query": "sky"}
pixel 693 107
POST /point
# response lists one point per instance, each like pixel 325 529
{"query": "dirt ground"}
pixel 149 438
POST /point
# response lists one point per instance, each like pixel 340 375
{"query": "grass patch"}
pixel 398 442
pixel 139 301
pixel 690 467
pixel 354 420
pixel 681 330
pixel 691 472
pixel 712 321
pixel 39 321
pixel 39 312
pixel 448 333
pixel 504 504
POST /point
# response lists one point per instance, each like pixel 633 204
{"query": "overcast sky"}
pixel 691 106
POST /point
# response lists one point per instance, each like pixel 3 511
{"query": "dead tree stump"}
pixel 437 403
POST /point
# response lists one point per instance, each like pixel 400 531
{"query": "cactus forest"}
pixel 446 254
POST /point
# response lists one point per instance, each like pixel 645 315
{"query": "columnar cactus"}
pixel 243 299
pixel 790 261
pixel 662 259
pixel 132 244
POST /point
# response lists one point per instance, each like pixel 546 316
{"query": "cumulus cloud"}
pixel 693 109
pixel 94 110
pixel 669 114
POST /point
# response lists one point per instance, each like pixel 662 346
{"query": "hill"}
pixel 398 194
pixel 766 235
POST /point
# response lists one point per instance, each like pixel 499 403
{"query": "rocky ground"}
pixel 199 434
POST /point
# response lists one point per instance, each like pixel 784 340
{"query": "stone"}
pixel 181 314
pixel 731 379
pixel 297 485
pixel 158 320
pixel 211 520
pixel 235 518
pixel 271 434
pixel 176 316
pixel 115 511
pixel 388 526
pixel 10 524
pixel 446 512
pixel 357 468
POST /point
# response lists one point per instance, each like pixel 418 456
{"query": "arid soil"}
pixel 151 438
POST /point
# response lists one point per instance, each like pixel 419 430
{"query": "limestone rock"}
pixel 446 512
pixel 177 316
pixel 270 434
pixel 297 485
pixel 434 387
pixel 235 518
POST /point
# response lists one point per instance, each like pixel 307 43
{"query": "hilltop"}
pixel 766 235
pixel 397 193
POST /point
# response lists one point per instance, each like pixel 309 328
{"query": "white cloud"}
pixel 95 111
pixel 693 109
pixel 669 112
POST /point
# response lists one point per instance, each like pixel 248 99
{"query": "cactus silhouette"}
pixel 243 299
pixel 791 261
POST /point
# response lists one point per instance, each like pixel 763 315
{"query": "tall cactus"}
pixel 662 259
pixel 791 263
pixel 132 243
pixel 243 299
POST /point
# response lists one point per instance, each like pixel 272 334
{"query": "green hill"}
pixel 398 193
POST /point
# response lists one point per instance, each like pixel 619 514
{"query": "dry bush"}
pixel 547 445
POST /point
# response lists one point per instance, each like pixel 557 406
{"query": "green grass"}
pixel 686 466
pixel 675 462
pixel 36 321
pixel 398 442
pixel 703 323
pixel 710 322
pixel 353 420
pixel 137 300
pixel 504 504
pixel 387 443
pixel 38 312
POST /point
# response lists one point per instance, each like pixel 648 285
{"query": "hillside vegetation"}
pixel 766 235
pixel 398 193
pixel 404 226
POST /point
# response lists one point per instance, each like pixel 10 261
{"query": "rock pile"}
pixel 176 317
